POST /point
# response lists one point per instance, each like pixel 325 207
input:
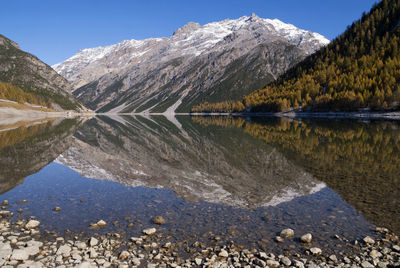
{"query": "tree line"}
pixel 358 70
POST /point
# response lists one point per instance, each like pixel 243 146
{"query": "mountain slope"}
pixel 39 82
pixel 358 70
pixel 197 63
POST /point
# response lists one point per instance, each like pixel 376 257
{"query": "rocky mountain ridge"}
pixel 190 159
pixel 196 63
pixel 26 71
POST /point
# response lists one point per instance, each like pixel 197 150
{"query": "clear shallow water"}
pixel 242 180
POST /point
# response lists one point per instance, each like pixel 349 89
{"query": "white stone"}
pixel 80 245
pixel 150 231
pixel 307 238
pixel 32 250
pixel 19 255
pixel 315 251
pixel 369 240
pixel 93 254
pixel 366 264
pixel 101 223
pixel 85 265
pixel 93 242
pixel 223 253
pixel 32 224
pixel 198 261
pixel 286 261
pixel 64 250
pixel 333 258
pixel 272 263
pixel 375 254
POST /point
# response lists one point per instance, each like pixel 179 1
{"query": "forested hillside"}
pixel 359 69
pixel 24 78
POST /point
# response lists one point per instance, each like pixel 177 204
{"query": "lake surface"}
pixel 214 179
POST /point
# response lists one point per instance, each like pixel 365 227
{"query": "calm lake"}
pixel 214 179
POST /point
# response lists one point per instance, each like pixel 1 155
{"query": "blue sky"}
pixel 54 30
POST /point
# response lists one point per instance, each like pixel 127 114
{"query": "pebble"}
pixel 366 264
pixel 369 240
pixel 279 239
pixel 150 231
pixel 333 258
pixel 287 233
pixel 223 253
pixel 286 261
pixel 375 254
pixel 93 242
pixel 307 238
pixel 64 250
pixel 124 255
pixel 198 261
pixel 32 224
pixel 158 220
pixel 272 263
pixel 112 250
pixel 56 209
pixel 315 251
pixel 19 255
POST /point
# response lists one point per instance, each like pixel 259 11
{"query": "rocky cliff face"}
pixel 217 61
pixel 31 74
pixel 218 165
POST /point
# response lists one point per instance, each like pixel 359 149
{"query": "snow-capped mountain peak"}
pixel 133 74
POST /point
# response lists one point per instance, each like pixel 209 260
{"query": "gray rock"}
pixel 333 258
pixel 272 263
pixel 85 265
pixel 158 220
pixel 366 264
pixel 198 261
pixel 150 231
pixel 307 238
pixel 19 255
pixel 287 233
pixel 369 240
pixel 286 261
pixel 223 253
pixel 32 224
pixel 32 250
pixel 80 245
pixel 315 251
pixel 124 255
pixel 375 254
pixel 93 242
pixel 76 256
pixel 92 253
pixel 64 250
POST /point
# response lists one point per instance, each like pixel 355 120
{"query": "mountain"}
pixel 24 78
pixel 26 149
pixel 197 63
pixel 214 164
pixel 359 70
pixel 358 160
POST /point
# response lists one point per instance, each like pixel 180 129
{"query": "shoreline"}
pixel 9 113
pixel 9 116
pixel 334 115
pixel 22 243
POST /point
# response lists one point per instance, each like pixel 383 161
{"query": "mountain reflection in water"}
pixel 251 177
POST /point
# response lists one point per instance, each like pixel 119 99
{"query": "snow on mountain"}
pixel 191 39
pixel 214 62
